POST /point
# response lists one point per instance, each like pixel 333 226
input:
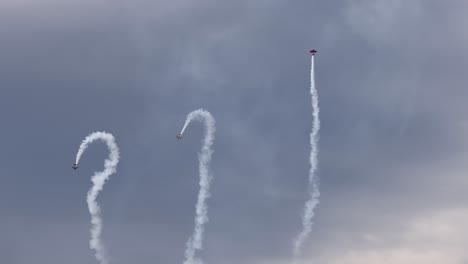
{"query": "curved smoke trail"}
pixel 98 179
pixel 314 192
pixel 195 242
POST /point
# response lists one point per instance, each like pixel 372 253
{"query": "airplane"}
pixel 179 136
pixel 313 52
pixel 75 166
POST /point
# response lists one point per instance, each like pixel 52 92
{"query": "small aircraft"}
pixel 179 136
pixel 75 166
pixel 313 52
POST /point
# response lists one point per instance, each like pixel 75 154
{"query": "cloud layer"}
pixel 392 83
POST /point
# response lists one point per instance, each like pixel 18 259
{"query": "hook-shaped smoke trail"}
pixel 195 242
pixel 314 193
pixel 98 179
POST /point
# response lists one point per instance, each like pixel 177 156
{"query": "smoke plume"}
pixel 195 242
pixel 313 189
pixel 98 179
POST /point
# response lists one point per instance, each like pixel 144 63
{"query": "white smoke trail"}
pixel 195 242
pixel 311 204
pixel 98 179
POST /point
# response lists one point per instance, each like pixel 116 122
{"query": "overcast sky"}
pixel 391 77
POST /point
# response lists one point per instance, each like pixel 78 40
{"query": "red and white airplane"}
pixel 313 52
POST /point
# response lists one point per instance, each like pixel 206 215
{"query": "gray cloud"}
pixel 391 83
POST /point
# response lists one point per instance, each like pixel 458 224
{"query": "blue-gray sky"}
pixel 393 97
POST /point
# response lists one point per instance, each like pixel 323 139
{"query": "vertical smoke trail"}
pixel 98 179
pixel 195 242
pixel 314 193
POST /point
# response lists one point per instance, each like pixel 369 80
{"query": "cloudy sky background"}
pixel 391 76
